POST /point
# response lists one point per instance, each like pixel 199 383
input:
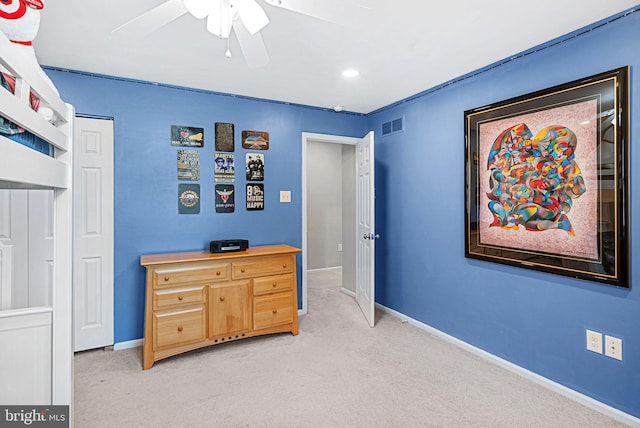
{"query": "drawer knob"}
pixel 284 266
pixel 242 270
pixel 218 273
pixel 166 278
pixel 179 328
pixel 274 284
pixel 222 298
pixel 275 311
pixel 180 297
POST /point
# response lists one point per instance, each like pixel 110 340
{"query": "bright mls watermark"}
pixel 34 416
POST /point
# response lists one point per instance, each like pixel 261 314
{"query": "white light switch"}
pixel 285 196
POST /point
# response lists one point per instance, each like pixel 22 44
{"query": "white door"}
pixel 365 213
pixel 93 233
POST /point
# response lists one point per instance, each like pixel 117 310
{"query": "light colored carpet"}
pixel 338 372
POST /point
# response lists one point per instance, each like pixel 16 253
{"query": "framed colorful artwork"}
pixel 546 180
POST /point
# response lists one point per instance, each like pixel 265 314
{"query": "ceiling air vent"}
pixel 393 126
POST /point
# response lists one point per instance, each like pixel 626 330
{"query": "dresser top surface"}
pixel 203 255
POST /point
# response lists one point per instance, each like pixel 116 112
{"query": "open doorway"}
pixel 331 210
pixel 351 209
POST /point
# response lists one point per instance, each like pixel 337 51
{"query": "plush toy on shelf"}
pixel 20 21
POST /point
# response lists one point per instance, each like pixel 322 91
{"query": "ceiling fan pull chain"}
pixel 228 53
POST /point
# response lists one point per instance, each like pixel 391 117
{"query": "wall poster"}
pixel 187 136
pixel 547 180
pixel 224 137
pixel 225 198
pixel 224 168
pixel 188 164
pixel 255 196
pixel 188 198
pixel 255 140
pixel 255 166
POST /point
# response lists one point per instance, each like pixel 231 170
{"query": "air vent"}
pixel 386 128
pixel 393 126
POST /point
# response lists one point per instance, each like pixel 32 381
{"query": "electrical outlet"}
pixel 339 247
pixel 613 347
pixel 594 341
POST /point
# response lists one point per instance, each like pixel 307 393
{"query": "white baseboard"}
pixel 128 344
pixel 348 292
pixel 540 380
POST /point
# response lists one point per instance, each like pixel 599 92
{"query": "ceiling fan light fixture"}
pixel 220 19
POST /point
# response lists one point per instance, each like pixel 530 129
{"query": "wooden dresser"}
pixel 196 299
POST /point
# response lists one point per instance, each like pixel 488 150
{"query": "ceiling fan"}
pixel 244 17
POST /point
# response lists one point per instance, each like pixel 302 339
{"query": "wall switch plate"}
pixel 613 347
pixel 285 196
pixel 594 341
pixel 339 247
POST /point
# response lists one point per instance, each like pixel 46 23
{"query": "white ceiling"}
pixel 400 47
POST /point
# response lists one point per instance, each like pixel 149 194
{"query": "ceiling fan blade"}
pixel 336 11
pixel 153 19
pixel 253 48
pixel 198 8
pixel 252 15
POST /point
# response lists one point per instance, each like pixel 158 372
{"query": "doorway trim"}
pixel 308 137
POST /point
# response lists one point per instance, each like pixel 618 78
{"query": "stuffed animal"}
pixel 20 21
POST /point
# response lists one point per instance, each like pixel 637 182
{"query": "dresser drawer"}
pixel 261 266
pixel 272 310
pixel 165 298
pixel 173 276
pixel 179 327
pixel 271 284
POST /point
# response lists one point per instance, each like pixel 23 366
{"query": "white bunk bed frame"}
pixel 25 331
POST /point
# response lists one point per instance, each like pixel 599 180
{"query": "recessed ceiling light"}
pixel 350 73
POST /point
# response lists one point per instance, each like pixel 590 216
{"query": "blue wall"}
pixel 146 184
pixel 532 319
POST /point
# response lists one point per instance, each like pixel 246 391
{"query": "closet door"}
pixel 93 233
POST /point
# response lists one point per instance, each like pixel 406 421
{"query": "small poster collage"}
pixel 190 139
